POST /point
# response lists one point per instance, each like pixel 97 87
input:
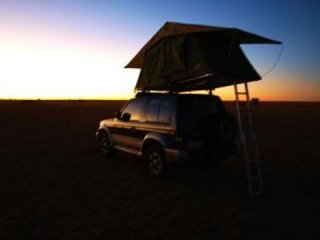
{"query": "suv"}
pixel 168 128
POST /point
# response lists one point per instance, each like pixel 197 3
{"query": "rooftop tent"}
pixel 195 57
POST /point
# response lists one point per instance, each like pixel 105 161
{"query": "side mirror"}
pixel 126 116
pixel 117 115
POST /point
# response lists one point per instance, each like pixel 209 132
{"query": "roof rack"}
pixel 142 93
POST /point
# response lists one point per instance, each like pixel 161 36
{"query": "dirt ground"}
pixel 55 185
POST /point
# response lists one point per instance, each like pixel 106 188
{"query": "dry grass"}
pixel 54 185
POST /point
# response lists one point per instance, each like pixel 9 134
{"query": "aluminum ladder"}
pixel 248 140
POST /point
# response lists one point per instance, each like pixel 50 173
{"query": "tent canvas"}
pixel 195 57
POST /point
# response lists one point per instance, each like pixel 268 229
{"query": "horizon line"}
pixel 126 99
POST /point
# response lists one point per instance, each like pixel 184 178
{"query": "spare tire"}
pixel 226 127
pixel 219 128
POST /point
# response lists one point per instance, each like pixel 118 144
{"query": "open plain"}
pixel 55 185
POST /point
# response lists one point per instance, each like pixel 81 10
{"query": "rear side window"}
pixel 159 110
pixel 166 111
pixel 153 110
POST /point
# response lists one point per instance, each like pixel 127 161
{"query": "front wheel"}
pixel 104 144
pixel 156 161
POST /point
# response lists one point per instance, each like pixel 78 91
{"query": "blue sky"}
pixel 77 49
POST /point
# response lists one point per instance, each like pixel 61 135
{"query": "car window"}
pixel 199 107
pixel 153 110
pixel 135 109
pixel 166 110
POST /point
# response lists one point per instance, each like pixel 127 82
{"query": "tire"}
pixel 219 129
pixel 226 128
pixel 104 144
pixel 156 161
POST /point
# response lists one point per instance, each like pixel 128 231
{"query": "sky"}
pixel 77 49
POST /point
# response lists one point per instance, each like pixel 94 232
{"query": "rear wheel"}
pixel 156 161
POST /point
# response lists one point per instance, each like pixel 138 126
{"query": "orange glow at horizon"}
pixel 276 88
pixel 59 73
pixel 78 49
pixel 48 69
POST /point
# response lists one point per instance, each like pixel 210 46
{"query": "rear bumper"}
pixel 177 155
pixel 187 155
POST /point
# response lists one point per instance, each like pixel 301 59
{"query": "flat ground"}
pixel 54 184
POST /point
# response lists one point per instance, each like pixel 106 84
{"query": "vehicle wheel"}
pixel 156 161
pixel 104 144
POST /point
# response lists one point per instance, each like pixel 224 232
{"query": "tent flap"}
pixel 172 29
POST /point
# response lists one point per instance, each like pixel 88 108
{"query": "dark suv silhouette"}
pixel 168 128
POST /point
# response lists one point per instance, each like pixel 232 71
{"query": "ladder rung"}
pixel 241 93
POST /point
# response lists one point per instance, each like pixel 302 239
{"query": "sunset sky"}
pixel 71 49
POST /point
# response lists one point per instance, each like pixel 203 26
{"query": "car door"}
pixel 125 134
